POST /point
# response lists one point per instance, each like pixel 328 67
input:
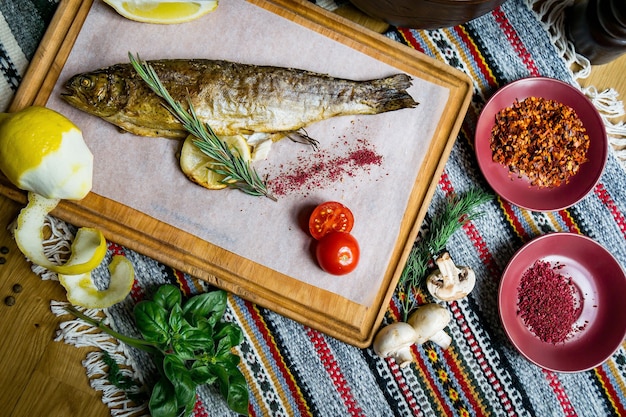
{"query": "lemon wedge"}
pixel 88 247
pixel 82 291
pixel 44 152
pixel 200 168
pixel 162 12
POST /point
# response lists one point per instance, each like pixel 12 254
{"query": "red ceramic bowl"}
pixel 518 190
pixel 601 284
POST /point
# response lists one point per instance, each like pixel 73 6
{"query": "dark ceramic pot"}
pixel 426 14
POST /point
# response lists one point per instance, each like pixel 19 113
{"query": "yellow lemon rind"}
pixel 81 290
pixel 44 152
pixel 87 250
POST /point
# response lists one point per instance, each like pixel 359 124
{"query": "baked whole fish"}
pixel 232 98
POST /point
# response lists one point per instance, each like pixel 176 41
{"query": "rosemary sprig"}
pixel 238 173
pixel 457 211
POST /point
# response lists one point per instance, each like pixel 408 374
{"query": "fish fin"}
pixel 390 94
pixel 301 136
pixel 124 126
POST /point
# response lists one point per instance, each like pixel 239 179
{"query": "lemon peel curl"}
pixel 88 247
pixel 82 291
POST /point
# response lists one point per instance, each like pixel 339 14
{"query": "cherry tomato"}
pixel 337 253
pixel 330 216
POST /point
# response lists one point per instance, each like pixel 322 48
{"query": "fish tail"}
pixel 390 94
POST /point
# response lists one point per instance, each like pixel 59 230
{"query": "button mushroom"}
pixel 428 321
pixel 395 340
pixel 450 283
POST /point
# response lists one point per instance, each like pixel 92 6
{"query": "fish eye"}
pixel 85 82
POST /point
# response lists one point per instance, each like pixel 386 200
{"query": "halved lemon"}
pixel 200 168
pixel 162 12
pixel 82 291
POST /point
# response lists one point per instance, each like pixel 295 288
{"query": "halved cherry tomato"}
pixel 337 253
pixel 330 216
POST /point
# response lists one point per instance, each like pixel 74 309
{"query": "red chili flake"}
pixel 541 139
pixel 322 168
pixel 547 302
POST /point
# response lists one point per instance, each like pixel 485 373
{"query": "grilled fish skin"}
pixel 233 98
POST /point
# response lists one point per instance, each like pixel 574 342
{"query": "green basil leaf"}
pixel 191 405
pixel 167 296
pixel 238 396
pixel 233 387
pixel 163 401
pixel 210 305
pixel 229 335
pixel 176 319
pixel 184 342
pixel 223 348
pixel 201 374
pixel 180 378
pixel 228 360
pixel 205 326
pixel 197 339
pixel 221 377
pixel 182 349
pixel 152 322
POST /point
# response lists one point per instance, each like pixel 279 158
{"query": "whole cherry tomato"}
pixel 337 253
pixel 330 216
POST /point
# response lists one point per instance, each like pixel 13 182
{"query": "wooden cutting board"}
pixel 311 305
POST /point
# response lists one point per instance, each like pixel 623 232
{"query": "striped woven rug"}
pixel 293 370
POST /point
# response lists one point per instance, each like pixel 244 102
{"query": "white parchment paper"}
pixel 143 173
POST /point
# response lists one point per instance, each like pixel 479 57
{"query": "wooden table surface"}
pixel 40 377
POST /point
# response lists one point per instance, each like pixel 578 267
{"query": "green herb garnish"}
pixel 131 388
pixel 238 173
pixel 457 211
pixel 191 345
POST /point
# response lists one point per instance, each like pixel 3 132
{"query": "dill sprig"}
pixel 456 212
pixel 238 173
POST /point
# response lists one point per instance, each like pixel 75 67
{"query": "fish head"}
pixel 102 93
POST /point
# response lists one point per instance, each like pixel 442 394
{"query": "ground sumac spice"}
pixel 547 302
pixel 541 139
pixel 321 169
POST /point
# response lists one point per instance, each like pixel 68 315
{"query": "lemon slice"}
pixel 162 12
pixel 82 291
pixel 199 167
pixel 88 247
pixel 44 152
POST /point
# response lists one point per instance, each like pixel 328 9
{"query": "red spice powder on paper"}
pixel 547 302
pixel 323 168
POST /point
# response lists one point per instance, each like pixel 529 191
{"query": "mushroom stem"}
pixel 448 270
pixel 450 283
pixel 442 339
